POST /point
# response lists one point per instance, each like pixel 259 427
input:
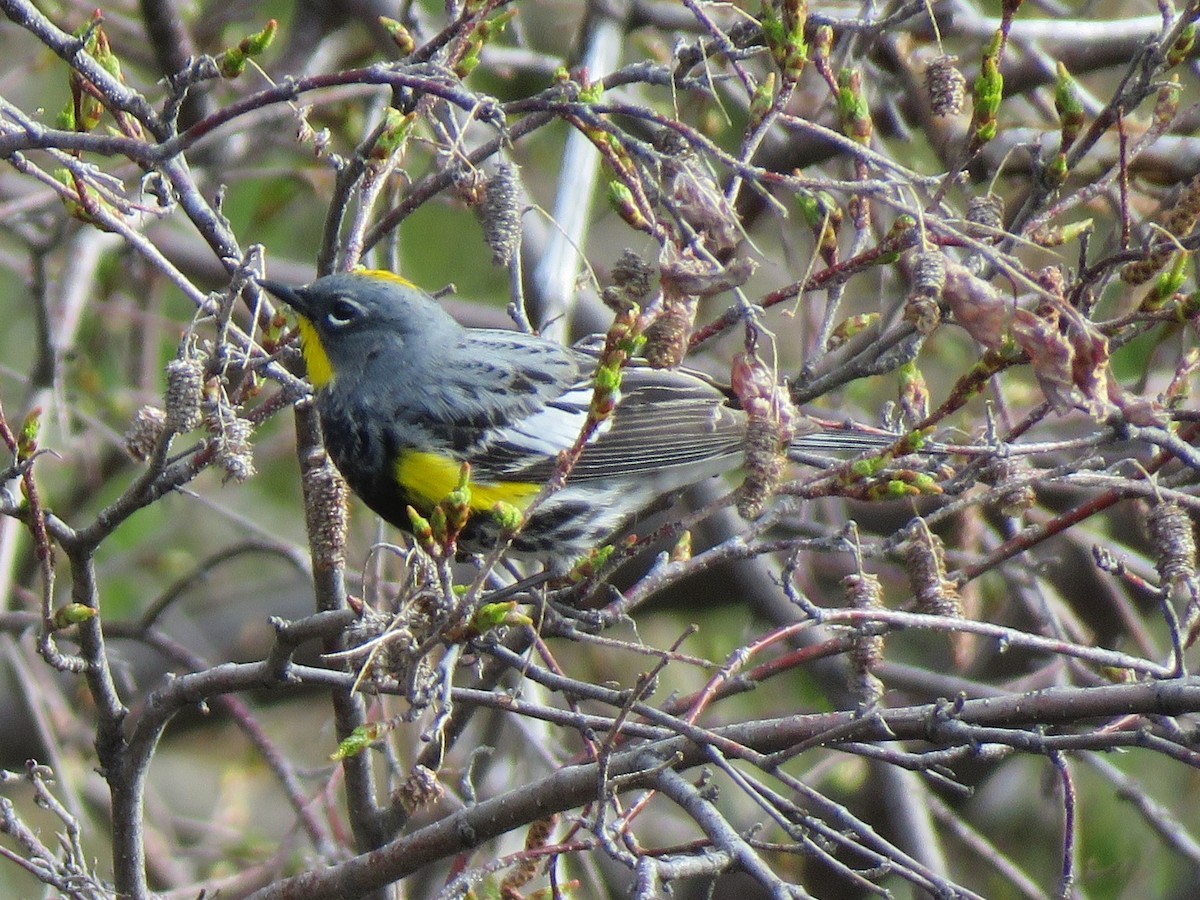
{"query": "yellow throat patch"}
pixel 320 369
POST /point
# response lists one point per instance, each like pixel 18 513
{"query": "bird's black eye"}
pixel 342 312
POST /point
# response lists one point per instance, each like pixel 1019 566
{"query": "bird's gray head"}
pixel 347 319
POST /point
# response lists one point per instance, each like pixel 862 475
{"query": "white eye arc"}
pixel 343 311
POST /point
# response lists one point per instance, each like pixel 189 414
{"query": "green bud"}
pixel 1056 173
pixel 773 30
pixel 762 101
pixel 784 35
pixel 1117 675
pixel 469 61
pixel 509 516
pixel 1168 283
pixel 421 528
pixel 850 328
pixel 491 616
pixel 27 438
pixel 631 345
pixel 991 53
pixel 864 468
pixel 73 614
pixel 485 31
pixel 913 391
pixel 397 128
pixel 591 563
pixel 811 208
pixel 988 92
pixel 823 45
pixel 900 236
pixel 592 92
pixel 256 43
pixel 608 378
pixel 234 60
pixel 986 132
pixel 399 34
pixel 620 197
pixel 853 110
pixel 1166 104
pixel 682 551
pixel 360 739
pixel 926 483
pixel 897 488
pixel 233 64
pixel 495 26
pixel 1069 106
pixel 1057 235
pixel 900 228
pixel 456 506
pixel 437 523
pixel 65 121
pixel 104 55
pixel 1183 46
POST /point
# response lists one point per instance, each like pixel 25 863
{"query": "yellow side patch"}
pixel 427 478
pixel 320 369
pixel 386 276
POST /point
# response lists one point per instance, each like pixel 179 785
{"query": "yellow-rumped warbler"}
pixel 406 395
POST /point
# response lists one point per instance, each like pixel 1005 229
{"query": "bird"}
pixel 406 395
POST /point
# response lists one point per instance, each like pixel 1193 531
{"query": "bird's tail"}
pixel 843 439
pixel 834 438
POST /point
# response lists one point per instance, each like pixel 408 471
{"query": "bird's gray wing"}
pixel 664 420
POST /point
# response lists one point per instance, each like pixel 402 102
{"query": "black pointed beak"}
pixel 296 298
